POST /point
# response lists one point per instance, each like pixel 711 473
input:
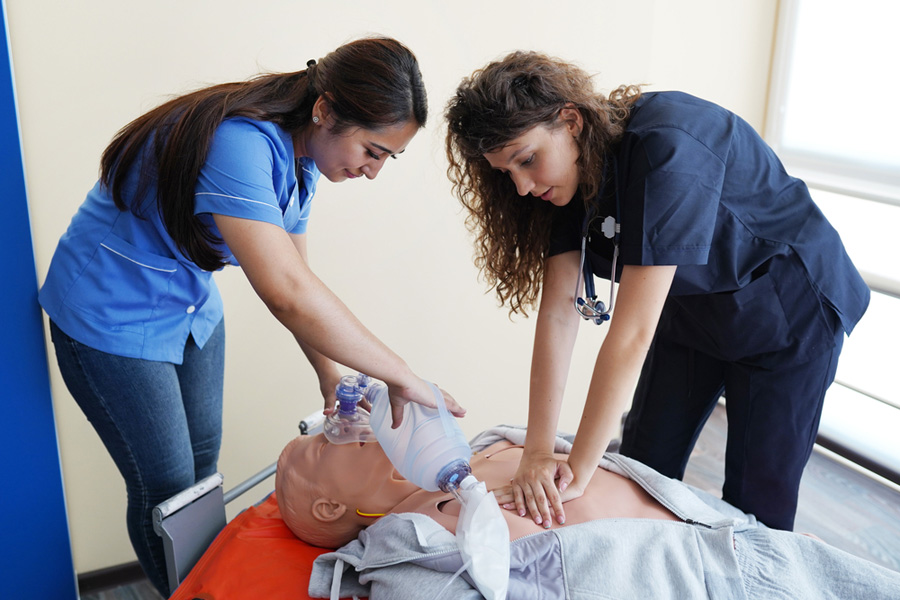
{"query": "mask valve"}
pixel 348 423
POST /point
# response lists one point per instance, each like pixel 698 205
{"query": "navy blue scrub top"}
pixel 699 188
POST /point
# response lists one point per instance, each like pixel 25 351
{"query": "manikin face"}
pixel 541 161
pixel 352 153
pixel 357 475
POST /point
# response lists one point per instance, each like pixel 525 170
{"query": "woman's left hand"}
pixel 420 393
pixel 540 487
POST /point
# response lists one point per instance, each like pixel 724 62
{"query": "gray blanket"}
pixel 715 551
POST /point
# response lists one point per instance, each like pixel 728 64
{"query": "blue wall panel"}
pixel 35 554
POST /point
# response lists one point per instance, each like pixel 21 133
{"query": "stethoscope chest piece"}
pixel 588 306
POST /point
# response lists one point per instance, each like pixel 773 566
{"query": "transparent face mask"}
pixel 482 534
pixel 348 423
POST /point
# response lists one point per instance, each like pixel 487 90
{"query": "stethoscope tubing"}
pixel 587 306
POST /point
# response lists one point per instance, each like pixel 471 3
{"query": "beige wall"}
pixel 394 249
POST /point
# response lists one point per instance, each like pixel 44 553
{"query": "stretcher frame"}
pixel 189 521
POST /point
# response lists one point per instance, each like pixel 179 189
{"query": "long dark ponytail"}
pixel 369 83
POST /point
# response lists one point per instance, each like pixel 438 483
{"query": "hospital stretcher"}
pixel 253 556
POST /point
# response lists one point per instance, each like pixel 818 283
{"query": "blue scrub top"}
pixel 118 283
pixel 697 187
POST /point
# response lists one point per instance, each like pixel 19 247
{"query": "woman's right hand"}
pixel 420 392
pixel 328 382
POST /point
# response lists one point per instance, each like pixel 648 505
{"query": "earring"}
pixel 369 515
pixel 315 119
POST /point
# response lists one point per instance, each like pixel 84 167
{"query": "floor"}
pixel 838 504
pixel 141 590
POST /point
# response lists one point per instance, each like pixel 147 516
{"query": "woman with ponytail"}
pixel 223 175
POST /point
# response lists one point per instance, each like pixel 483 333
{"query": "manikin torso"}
pixel 607 496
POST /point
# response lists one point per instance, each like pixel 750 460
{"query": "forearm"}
pixel 554 340
pixel 329 333
pixel 609 396
pixel 276 266
pixel 551 357
pixel 321 364
pixel 642 294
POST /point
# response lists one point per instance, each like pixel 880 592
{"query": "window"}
pixel 833 114
pixel 833 120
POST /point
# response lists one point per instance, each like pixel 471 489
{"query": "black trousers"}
pixel 774 381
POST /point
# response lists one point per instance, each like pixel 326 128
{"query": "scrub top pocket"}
pixel 730 326
pixel 777 319
pixel 121 285
pixel 749 321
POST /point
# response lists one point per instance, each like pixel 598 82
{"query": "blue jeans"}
pixel 160 422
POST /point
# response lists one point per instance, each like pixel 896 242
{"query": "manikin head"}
pixel 328 493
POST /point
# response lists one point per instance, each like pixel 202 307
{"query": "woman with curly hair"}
pixel 730 279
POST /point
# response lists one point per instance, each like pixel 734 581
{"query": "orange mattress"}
pixel 255 556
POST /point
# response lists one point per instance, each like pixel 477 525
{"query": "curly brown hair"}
pixel 494 106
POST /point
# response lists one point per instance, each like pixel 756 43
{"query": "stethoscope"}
pixel 589 306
